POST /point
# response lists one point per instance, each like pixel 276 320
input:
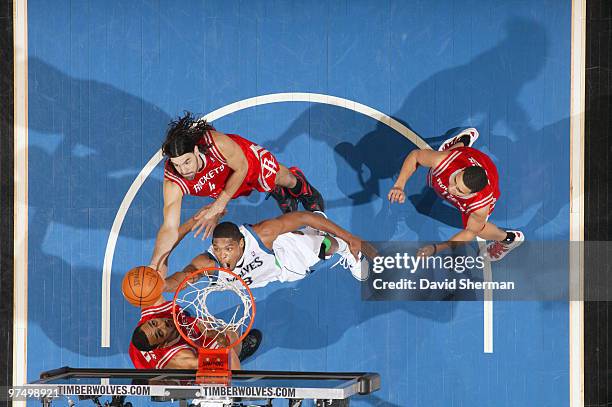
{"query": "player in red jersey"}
pixel 467 179
pixel 157 344
pixel 204 162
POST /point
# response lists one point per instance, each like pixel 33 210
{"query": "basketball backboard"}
pixel 118 387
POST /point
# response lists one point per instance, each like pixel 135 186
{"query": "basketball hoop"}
pixel 213 311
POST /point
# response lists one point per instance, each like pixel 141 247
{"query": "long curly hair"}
pixel 183 134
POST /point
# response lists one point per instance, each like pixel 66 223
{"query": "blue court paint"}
pixel 104 79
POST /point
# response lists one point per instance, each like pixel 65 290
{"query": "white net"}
pixel 215 310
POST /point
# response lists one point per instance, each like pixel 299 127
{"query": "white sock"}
pixel 342 245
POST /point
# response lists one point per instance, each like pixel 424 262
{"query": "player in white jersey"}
pixel 282 249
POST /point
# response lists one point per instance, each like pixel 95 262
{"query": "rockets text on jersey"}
pixel 211 178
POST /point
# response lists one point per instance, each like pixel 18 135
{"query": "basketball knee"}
pixel 284 177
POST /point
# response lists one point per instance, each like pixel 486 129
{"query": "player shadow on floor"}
pixel 376 157
pixel 85 147
pixel 363 170
pixel 532 198
pixel 56 288
pixel 323 307
pixel 428 203
pixel 91 140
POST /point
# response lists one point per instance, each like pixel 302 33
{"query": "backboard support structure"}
pixel 247 388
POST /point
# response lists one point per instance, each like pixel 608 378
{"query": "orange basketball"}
pixel 142 286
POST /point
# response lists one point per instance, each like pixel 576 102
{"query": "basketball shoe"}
pixel 497 250
pixel 283 198
pixel 359 267
pixel 465 136
pixel 250 344
pixel 308 195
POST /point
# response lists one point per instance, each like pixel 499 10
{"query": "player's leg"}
pixel 502 241
pixel 465 138
pixel 330 245
pixel 298 251
pixel 246 348
pixel 249 344
pixel 284 180
pixel 296 186
pixel 286 185
pixel 334 245
pixel 492 232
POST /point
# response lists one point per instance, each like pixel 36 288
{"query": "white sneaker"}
pixel 472 132
pixel 496 251
pixel 360 268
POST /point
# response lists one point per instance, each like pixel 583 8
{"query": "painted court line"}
pixel 20 262
pixel 576 221
pixel 487 303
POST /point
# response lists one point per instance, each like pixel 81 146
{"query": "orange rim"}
pixel 182 285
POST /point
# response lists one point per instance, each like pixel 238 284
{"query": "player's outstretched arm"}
pixel 425 158
pixel 168 234
pixel 476 222
pixel 197 263
pixel 184 359
pixel 269 230
pixel 208 217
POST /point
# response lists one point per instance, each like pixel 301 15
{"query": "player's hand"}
pixel 396 194
pixel 207 218
pixel 210 211
pixel 158 269
pixel 206 226
pixel 426 251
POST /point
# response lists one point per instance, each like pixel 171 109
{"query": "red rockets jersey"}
pixel 159 357
pixel 211 179
pixel 457 160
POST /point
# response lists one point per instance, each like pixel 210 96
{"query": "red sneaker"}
pixel 471 132
pixel 496 250
pixel 283 198
pixel 310 198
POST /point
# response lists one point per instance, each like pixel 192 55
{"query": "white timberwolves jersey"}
pixel 257 266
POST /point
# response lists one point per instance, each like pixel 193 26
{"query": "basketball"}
pixel 142 286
